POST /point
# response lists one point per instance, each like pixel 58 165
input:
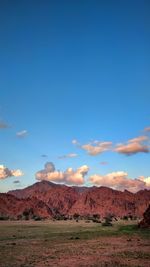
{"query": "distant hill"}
pixel 47 200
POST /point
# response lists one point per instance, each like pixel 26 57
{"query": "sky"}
pixel 75 93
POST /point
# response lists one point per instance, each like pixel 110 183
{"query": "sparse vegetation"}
pixel 108 220
pixel 62 243
pixel 4 218
pixel 125 218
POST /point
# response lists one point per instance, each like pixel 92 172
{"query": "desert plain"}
pixel 69 243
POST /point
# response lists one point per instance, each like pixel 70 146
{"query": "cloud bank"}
pixel 5 172
pixel 120 181
pixel 70 176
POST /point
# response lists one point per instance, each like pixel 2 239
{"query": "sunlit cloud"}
pixel 146 180
pixel 120 181
pixel 147 129
pixel 70 155
pixel 70 176
pixel 5 172
pixel 133 146
pixel 96 147
pixel 22 133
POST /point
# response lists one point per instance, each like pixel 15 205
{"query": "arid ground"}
pixel 71 243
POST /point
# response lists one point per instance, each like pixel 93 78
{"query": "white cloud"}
pixel 70 155
pixel 75 142
pixel 70 176
pixel 5 172
pixel 146 180
pixel 22 133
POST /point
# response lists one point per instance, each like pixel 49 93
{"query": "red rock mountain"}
pixel 13 207
pixel 46 199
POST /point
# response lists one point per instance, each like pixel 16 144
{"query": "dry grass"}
pixel 46 244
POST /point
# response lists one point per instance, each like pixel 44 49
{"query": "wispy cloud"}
pixel 70 176
pixel 16 182
pixel 133 146
pixel 96 147
pixel 44 156
pixel 6 172
pixel 4 125
pixel 119 180
pixel 75 142
pixel 70 155
pixel 104 163
pixel 22 133
pixel 147 129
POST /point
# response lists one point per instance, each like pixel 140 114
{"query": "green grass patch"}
pixel 66 231
pixel 134 229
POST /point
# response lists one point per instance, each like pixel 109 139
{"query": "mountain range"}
pixel 48 200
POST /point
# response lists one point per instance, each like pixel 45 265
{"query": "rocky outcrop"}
pixel 145 223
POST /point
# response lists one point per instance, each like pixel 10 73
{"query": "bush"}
pixel 60 217
pixel 106 224
pixel 125 218
pixel 4 218
pixel 108 221
pixel 96 221
pixel 37 218
pixel 76 216
pixel 96 216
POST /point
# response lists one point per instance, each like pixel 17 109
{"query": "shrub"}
pixel 108 221
pixel 96 221
pixel 125 218
pixel 96 216
pixel 37 218
pixel 4 218
pixel 76 216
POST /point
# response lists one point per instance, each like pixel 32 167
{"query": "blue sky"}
pixel 73 70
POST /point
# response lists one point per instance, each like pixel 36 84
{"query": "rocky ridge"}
pixel 48 200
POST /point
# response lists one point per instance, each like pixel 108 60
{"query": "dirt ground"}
pixel 50 244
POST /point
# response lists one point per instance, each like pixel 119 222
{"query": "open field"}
pixel 70 243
